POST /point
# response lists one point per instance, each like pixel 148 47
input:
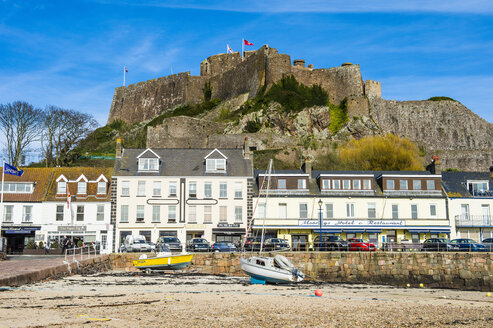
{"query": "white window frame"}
pixel 414 209
pixel 59 214
pixel 172 188
pixel 140 213
pixel 417 184
pixel 100 212
pixel 390 184
pixel 215 164
pixel 223 190
pixel 223 214
pixel 156 213
pixel 350 210
pixel 192 189
pixel 8 215
pixel 82 188
pixel 171 213
pixel 260 211
pixel 372 208
pixel 301 184
pixel 238 214
pixel 283 210
pixel 207 189
pixel 148 164
pixel 356 184
pixel 303 210
pixel 326 184
pixel 80 213
pixel 346 184
pixel 238 189
pixel 124 213
pixel 208 214
pixel 336 184
pixel 192 213
pixel 281 184
pixel 156 188
pixel 125 188
pixel 403 184
pixel 366 184
pixel 428 183
pixel 395 214
pixel 141 188
pixel 101 188
pixel 27 213
pixel 433 208
pixel 62 187
pixel 329 210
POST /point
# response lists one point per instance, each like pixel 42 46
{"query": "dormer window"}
pixel 217 164
pixel 62 187
pixel 148 164
pixel 101 188
pixel 82 187
pixel 477 188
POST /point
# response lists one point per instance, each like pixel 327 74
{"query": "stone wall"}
pixel 460 138
pixel 467 271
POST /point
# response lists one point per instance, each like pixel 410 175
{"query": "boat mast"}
pixel 265 211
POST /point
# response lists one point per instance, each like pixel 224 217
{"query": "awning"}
pixel 374 230
pixel 327 230
pixel 444 230
pixel 19 230
pixel 226 231
pixel 419 230
pixel 354 230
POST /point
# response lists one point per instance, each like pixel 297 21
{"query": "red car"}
pixel 356 244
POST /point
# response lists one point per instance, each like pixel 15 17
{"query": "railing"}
pixel 78 253
pixel 285 191
pixel 482 193
pixel 465 220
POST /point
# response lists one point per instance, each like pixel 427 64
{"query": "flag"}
pixel 68 196
pixel 12 170
pixel 228 49
pixel 247 43
pixel 126 70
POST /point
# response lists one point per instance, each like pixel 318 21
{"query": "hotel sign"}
pixel 351 223
pixel 228 225
pixel 71 228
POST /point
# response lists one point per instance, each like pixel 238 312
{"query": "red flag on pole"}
pixel 68 196
pixel 247 43
pixel 126 70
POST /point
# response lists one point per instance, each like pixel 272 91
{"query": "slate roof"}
pixel 455 183
pixel 376 174
pixel 183 162
pixel 40 176
pixel 72 174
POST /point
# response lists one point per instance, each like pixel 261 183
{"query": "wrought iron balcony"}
pixel 471 221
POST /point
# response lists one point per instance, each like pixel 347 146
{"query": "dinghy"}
pixel 164 260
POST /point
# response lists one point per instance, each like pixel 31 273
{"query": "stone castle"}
pixel 462 139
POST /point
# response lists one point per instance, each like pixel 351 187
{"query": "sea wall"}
pixel 465 271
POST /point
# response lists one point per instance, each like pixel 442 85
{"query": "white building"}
pixel 184 193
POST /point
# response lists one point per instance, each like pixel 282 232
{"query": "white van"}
pixel 137 244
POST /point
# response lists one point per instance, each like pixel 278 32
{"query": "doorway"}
pixel 300 242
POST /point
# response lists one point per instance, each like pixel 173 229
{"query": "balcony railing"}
pixel 285 191
pixel 465 220
pixel 482 193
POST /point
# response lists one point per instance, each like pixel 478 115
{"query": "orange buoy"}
pixel 318 292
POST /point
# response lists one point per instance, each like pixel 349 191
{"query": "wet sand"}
pixel 124 299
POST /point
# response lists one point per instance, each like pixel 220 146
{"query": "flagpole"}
pixel 1 195
pixel 124 76
pixel 242 47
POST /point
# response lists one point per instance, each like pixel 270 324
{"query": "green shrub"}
pixel 338 117
pixel 207 90
pixel 252 126
pixel 54 244
pixel 41 245
pixel 440 98
pixel 30 245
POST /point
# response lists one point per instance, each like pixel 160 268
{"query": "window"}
pixel 27 213
pixel 238 214
pixel 124 213
pixel 238 190
pixel 172 188
pixel 350 210
pixel 19 188
pixel 336 184
pixel 346 184
pixel 140 213
pixel 208 190
pixel 433 210
pixel 156 213
pixel 8 213
pixel 223 213
pixel 101 188
pixel 329 211
pixel 390 185
pixel 223 190
pixel 281 183
pixel 415 238
pixel 148 164
pixel 80 212
pixel 356 184
pixel 125 188
pixel 156 188
pixel 172 213
pixel 366 184
pixel 192 214
pixel 100 213
pixel 395 211
pixel 141 188
pixel 485 212
pixel 261 211
pixel 414 211
pixel 62 187
pixel 464 212
pixel 416 184
pixel 301 184
pixel 82 187
pixel 59 212
pixel 403 184
pixel 478 188
pixel 430 184
pixel 303 211
pixel 372 210
pixel 218 164
pixel 283 213
pixel 325 184
pixel 192 189
pixel 207 214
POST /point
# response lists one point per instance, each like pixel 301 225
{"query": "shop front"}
pixel 228 232
pixel 19 237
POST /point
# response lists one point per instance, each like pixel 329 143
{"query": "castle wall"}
pixel 461 138
pixel 373 89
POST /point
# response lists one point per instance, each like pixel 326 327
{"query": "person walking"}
pixel 66 244
pixel 47 248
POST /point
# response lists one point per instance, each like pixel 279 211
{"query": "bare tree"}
pixel 63 129
pixel 20 124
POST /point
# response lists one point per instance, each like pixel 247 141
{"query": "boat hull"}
pixel 173 262
pixel 271 275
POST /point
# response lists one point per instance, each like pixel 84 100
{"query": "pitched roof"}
pixel 455 183
pixel 39 176
pixel 183 162
pixel 72 174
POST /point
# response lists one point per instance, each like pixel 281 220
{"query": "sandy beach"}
pixel 124 299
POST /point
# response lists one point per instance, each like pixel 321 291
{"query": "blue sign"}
pixel 12 170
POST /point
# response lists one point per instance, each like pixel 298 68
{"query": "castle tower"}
pixel 373 89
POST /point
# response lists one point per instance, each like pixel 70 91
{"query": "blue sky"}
pixel 71 53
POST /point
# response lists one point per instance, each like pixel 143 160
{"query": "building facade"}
pixel 184 193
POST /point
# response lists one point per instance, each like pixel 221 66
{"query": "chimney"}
pixel 119 148
pixel 307 167
pixel 491 170
pixel 434 166
pixel 247 153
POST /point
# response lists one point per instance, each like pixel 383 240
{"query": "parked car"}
pixel 276 244
pixel 252 244
pixel 466 245
pixel 223 246
pixel 488 243
pixel 198 245
pixel 330 243
pixel 356 244
pixel 153 246
pixel 436 244
pixel 173 243
pixel 136 244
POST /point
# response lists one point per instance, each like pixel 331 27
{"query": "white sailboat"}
pixel 278 269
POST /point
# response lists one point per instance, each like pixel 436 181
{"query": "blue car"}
pixel 223 246
pixel 466 245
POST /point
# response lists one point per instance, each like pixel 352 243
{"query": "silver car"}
pixel 488 243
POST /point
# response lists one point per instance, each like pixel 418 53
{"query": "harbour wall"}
pixel 464 271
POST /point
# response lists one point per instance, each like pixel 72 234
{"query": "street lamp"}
pixel 320 217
